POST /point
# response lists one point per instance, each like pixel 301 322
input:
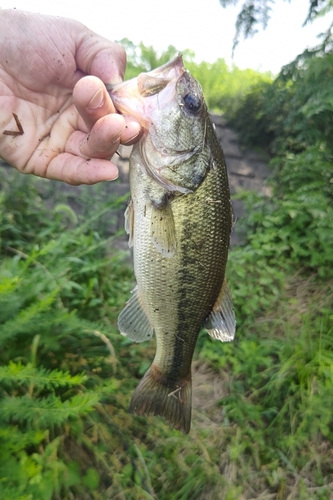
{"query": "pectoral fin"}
pixel 221 323
pixel 133 322
pixel 162 229
pixel 129 223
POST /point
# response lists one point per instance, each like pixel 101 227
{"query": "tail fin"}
pixel 160 396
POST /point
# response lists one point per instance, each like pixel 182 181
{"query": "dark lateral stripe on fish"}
pixel 161 396
pixel 184 345
pixel 182 348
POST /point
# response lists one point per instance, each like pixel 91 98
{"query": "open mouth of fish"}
pixel 140 95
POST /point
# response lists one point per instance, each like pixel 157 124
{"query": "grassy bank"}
pixel 262 420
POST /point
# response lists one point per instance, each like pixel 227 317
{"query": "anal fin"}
pixel 133 321
pixel 221 323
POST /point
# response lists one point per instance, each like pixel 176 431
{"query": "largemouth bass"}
pixel 179 221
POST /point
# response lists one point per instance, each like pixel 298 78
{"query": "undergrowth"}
pixel 262 423
pixel 66 376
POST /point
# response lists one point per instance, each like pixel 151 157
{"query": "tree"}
pixel 256 13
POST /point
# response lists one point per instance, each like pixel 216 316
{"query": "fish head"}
pixel 138 96
pixel 169 104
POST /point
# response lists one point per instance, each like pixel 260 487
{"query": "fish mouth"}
pixel 164 74
pixel 136 96
pixel 170 70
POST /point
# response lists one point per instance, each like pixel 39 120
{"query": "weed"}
pixel 263 428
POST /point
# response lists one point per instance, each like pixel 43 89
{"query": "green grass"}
pixel 262 417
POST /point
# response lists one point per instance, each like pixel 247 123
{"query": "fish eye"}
pixel 192 103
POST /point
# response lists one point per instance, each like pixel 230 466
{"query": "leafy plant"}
pixel 293 112
pixel 295 225
pixel 262 404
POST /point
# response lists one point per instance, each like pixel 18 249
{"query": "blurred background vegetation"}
pixel 67 375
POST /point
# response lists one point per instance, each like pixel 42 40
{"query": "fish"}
pixel 179 221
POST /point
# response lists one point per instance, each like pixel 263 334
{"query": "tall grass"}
pixel 262 419
pixel 66 376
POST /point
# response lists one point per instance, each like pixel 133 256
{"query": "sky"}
pixel 200 25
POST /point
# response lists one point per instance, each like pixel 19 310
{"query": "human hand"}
pixel 69 127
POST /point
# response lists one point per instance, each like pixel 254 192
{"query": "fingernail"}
pixel 113 178
pixel 132 138
pixel 116 139
pixel 115 173
pixel 97 100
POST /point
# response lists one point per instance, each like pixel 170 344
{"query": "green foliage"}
pixel 254 13
pixel 141 58
pixel 49 352
pixel 295 228
pixel 250 118
pixel 248 269
pixel 16 373
pixel 262 405
pixel 293 117
pixel 222 86
pixel 293 112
